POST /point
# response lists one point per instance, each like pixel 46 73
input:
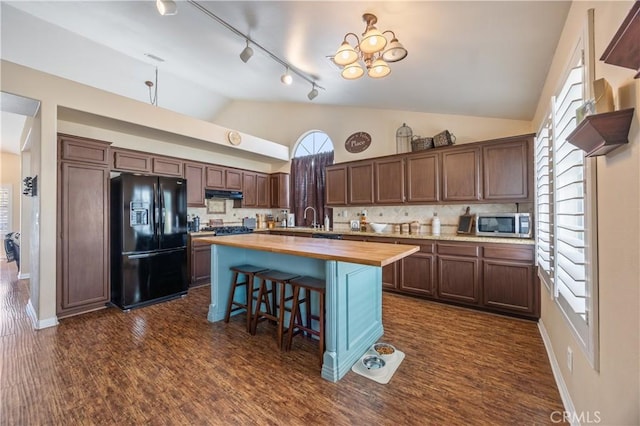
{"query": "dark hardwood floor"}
pixel 166 365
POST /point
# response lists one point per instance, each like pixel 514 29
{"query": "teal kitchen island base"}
pixel 354 289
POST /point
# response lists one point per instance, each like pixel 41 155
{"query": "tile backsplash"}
pixel 423 214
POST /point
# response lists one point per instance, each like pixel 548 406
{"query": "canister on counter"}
pixel 404 228
pixel 415 227
pixel 396 228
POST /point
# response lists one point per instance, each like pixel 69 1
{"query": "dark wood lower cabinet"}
pixel 417 274
pixel 509 285
pixel 458 279
pixel 200 263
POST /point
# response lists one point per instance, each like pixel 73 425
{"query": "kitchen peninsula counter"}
pixel 352 271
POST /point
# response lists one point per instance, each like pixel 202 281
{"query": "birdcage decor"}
pixel 404 134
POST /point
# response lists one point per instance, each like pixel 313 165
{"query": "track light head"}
pixel 166 7
pixel 286 78
pixel 313 93
pixel 246 53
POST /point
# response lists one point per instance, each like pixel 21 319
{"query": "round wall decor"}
pixel 234 137
pixel 357 142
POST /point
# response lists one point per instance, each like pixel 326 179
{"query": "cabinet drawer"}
pixel 387 240
pixel 167 166
pixel 459 249
pixel 84 150
pixel 510 252
pixel 424 247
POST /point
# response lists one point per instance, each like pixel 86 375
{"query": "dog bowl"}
pixel 374 364
pixel 384 350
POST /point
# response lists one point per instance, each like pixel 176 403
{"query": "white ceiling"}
pixel 471 58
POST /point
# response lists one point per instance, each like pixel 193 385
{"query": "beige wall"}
pixel 287 122
pixel 614 390
pixel 10 175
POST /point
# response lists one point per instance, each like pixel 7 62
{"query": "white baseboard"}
pixel 22 276
pixel 39 324
pixel 557 375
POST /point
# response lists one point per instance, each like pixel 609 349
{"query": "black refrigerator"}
pixel 148 239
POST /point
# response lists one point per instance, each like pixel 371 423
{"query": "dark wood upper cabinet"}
pixel 505 168
pixel 423 178
pixel 336 185
pixel 233 179
pixel 461 175
pixel 194 174
pixel 389 181
pixel 262 190
pixel 360 183
pixel 131 161
pixel 216 177
pixel 249 189
pixel 84 150
pixel 279 191
pixel 166 166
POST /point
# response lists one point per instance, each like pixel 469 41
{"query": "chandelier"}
pixel 373 50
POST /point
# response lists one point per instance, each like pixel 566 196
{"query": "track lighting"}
pixel 286 78
pixel 166 7
pixel 313 93
pixel 247 53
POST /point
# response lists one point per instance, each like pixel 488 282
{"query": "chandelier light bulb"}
pixel 379 69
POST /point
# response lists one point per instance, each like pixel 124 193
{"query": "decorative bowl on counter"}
pixel 384 350
pixel 374 365
pixel 378 227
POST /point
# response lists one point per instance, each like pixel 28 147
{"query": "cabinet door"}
pixel 509 286
pixel 336 186
pixel 262 190
pixel 200 264
pixel 128 161
pixel 83 150
pixel 360 183
pixel 417 274
pixel 83 280
pixel 505 169
pixel 249 189
pixel 194 174
pixel 215 177
pixel 389 181
pixel 279 191
pixel 461 175
pixel 458 279
pixel 233 179
pixel 423 178
pixel 167 166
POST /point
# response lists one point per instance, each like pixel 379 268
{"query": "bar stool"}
pixel 249 271
pixel 275 309
pixel 308 284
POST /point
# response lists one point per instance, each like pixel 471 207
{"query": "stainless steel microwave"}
pixel 515 225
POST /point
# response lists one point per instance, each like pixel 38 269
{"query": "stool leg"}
pixel 232 292
pixel 295 310
pixel 261 295
pixel 308 293
pixel 281 311
pixel 249 287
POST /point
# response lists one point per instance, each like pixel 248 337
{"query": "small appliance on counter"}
pixel 514 225
pixel 249 222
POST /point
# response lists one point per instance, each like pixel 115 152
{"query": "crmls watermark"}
pixel 583 417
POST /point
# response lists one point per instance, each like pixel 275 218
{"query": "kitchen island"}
pixel 352 271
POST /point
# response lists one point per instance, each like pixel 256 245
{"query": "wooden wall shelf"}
pixel 599 134
pixel 624 49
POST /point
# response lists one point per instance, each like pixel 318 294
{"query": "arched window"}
pixel 313 153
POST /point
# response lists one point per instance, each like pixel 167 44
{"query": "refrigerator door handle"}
pixel 162 211
pixel 155 210
pixel 142 256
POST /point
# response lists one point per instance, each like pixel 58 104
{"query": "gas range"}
pixel 227 230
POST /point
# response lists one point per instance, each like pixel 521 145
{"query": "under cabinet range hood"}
pixel 217 193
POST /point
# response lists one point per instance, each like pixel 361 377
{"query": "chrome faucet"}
pixel 304 216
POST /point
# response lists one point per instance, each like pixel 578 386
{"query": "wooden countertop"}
pixel 374 254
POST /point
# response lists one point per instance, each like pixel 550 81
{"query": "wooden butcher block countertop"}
pixel 365 253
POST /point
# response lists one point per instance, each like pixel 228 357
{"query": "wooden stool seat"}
pixel 308 284
pixel 249 272
pixel 275 309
